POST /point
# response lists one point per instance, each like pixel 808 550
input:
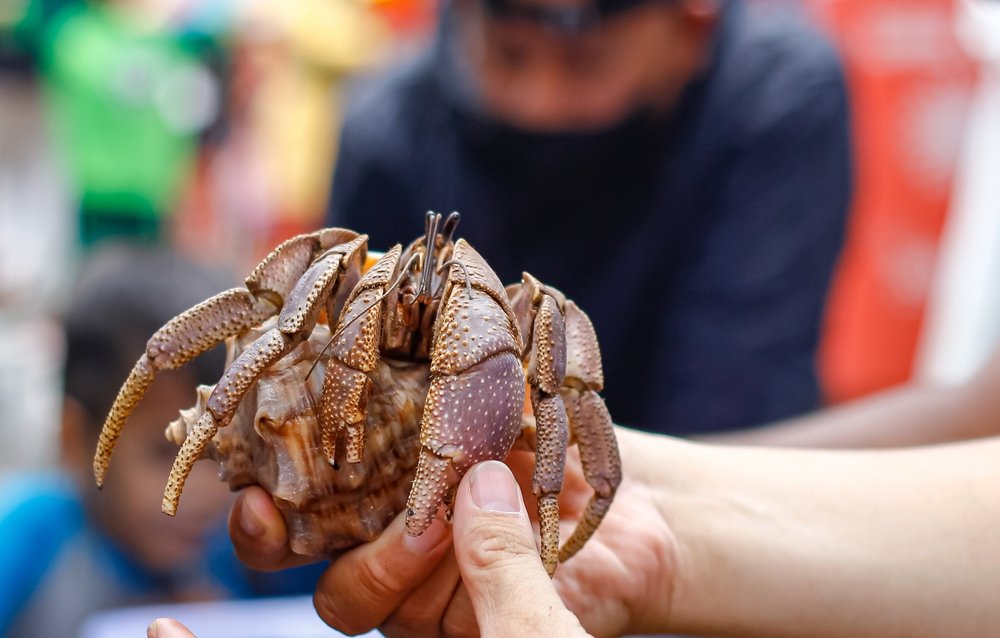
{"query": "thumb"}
pixel 167 628
pixel 511 593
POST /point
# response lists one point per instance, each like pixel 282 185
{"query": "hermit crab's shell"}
pixel 274 441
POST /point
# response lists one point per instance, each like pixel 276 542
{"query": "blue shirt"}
pixel 700 244
pixel 56 568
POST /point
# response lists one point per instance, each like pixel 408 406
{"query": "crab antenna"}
pixel 468 281
pixel 430 243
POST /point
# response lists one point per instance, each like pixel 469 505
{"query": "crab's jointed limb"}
pixel 296 280
pixel 564 370
pixel 354 355
pixel 542 322
pixel 296 321
pixel 590 424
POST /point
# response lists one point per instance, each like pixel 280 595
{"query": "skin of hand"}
pixel 703 539
pixel 492 584
pixel 168 628
pixel 619 583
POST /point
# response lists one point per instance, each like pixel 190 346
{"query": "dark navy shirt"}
pixel 701 245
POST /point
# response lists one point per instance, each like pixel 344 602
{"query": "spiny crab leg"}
pixel 295 322
pixel 546 371
pixel 209 323
pixel 180 340
pixel 564 370
pixel 354 355
pixel 591 425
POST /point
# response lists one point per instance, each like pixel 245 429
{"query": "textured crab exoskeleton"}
pixel 422 377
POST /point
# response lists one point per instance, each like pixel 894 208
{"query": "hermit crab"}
pixel 359 387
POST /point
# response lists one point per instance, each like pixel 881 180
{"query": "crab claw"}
pixel 469 417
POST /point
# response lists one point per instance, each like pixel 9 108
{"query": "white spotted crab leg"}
pixel 207 324
pixel 590 423
pixel 296 321
pixel 353 357
pixel 564 371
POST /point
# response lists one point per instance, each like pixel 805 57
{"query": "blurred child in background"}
pixel 67 549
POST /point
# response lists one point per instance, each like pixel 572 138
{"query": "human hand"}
pixel 168 628
pixel 621 581
pixel 510 593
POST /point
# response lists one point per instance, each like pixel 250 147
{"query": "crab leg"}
pixel 564 370
pixel 546 370
pixel 354 356
pixel 590 423
pixel 295 322
pixel 476 396
pixel 207 324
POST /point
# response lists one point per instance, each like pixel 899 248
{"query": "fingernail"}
pixel 250 520
pixel 427 541
pixel 151 630
pixel 494 488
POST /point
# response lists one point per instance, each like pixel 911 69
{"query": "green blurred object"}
pixel 126 104
pixel 21 24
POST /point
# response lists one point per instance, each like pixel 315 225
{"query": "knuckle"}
pixel 413 619
pixel 377 581
pixel 489 545
pixel 329 609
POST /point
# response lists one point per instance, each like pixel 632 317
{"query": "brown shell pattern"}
pixel 274 441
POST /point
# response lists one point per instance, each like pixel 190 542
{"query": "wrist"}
pixel 714 520
pixel 662 474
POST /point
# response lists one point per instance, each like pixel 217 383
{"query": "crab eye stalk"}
pixel 430 245
pixel 450 225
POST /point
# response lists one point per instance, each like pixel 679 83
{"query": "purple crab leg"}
pixel 546 370
pixel 591 425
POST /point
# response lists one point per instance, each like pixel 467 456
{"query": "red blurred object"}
pixel 910 84
pixel 408 19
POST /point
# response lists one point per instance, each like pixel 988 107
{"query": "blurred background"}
pixel 211 126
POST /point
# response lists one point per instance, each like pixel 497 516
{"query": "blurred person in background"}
pixel 128 92
pixel 67 549
pixel 269 177
pixel 36 247
pixel 296 57
pixel 681 168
